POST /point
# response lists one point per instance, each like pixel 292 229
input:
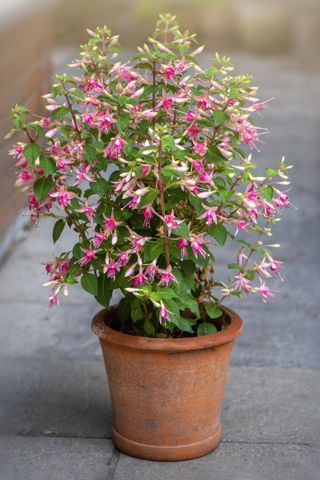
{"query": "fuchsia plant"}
pixel 145 161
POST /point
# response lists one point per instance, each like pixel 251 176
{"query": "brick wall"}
pixel 25 51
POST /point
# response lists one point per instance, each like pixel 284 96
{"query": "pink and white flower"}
pixel 171 222
pixel 242 284
pixel 64 196
pixel 166 276
pixel 209 215
pixel 197 244
pixel 164 315
pixel 183 245
pixel 89 255
pixel 114 147
pixel 265 292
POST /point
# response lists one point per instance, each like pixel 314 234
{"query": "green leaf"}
pixel 183 323
pixel 48 164
pixel 148 328
pixel 233 266
pixel 42 188
pixel 32 151
pixel 149 197
pixel 136 310
pixel 268 192
pixel 58 113
pixel 89 283
pixel 205 329
pixel 57 230
pixel 213 311
pixel 152 250
pixel 90 153
pixel 168 172
pixel 190 303
pixel 105 289
pixel 182 230
pixel 219 233
pixel 162 293
pixel 100 187
pixel 219 117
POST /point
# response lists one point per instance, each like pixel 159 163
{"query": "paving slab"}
pixel 70 398
pixel 230 461
pixel 41 458
pixel 275 335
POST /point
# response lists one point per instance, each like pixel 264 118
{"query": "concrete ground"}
pixel 55 417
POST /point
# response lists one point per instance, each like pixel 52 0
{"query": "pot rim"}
pixel 211 340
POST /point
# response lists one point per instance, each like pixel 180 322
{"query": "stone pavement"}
pixel 55 414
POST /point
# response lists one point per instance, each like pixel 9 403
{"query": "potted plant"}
pixel 149 162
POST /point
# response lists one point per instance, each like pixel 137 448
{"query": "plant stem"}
pixel 28 135
pixel 163 211
pixel 72 114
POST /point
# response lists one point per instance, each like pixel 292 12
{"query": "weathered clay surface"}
pixel 166 394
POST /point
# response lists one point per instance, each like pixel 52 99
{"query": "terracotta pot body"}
pixel 166 393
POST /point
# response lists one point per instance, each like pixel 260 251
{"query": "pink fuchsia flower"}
pixel 180 66
pixel 200 148
pixel 240 225
pixel 24 179
pixel 265 292
pixel 88 210
pixel 134 202
pixel 111 267
pixel 197 244
pixel 248 133
pixel 250 197
pixel 267 207
pixel 99 238
pixel 193 131
pixel 203 101
pixel 89 255
pixel 137 241
pixel 183 246
pixel 115 147
pixel 91 83
pixel 171 222
pixel 282 200
pixel 166 102
pixel 110 225
pixel 164 315
pixel 209 215
pixel 145 169
pixel 151 270
pixel 123 258
pixel 225 147
pixel 148 212
pixel 139 279
pixel 275 266
pixel 191 116
pixel 166 276
pixel 64 196
pixel 242 284
pixel 241 257
pixel 168 72
pixel 53 300
pixel 89 118
pixel 262 268
pixel 105 120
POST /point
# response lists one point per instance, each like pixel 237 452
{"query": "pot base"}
pixel 167 453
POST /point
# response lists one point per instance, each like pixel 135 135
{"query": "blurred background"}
pixel 278 41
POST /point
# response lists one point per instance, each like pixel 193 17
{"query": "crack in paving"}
pixel 244 442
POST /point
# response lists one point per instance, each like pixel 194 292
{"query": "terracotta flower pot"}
pixel 166 393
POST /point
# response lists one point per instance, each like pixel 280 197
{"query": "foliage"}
pixel 149 163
